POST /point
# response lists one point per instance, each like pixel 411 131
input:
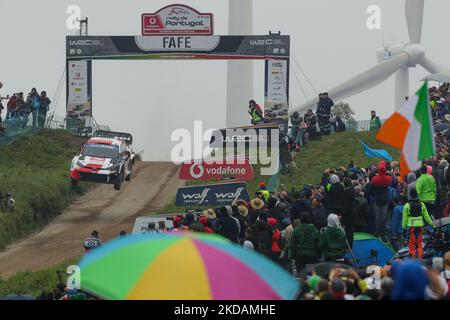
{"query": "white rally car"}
pixel 105 158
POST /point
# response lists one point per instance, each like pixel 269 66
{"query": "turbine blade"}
pixel 414 19
pixel 363 81
pixel 433 67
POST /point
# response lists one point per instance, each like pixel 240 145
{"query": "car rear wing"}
pixel 127 137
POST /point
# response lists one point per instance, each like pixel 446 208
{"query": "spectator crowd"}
pixel 22 112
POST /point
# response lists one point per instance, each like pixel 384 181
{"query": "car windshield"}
pixel 101 151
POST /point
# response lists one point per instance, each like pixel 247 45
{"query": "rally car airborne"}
pixel 105 158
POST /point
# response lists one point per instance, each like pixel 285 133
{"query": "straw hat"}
pixel 447 117
pixel 243 211
pixel 240 202
pixel 209 213
pixel 257 203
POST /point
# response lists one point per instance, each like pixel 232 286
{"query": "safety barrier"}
pixel 54 122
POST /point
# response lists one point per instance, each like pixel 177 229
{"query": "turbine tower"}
pixel 392 59
pixel 240 72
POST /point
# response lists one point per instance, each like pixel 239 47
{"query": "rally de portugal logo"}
pixel 177 19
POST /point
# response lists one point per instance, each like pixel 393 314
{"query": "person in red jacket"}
pixel 205 221
pixel 379 190
pixel 276 240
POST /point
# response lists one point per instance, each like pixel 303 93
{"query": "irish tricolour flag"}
pixel 411 130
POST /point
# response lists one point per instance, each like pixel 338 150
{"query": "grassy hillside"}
pixel 35 282
pixel 335 150
pixel 34 169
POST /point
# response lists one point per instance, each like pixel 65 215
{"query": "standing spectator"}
pixel 338 124
pixel 93 241
pixel 348 210
pixel 333 241
pixel 442 187
pixel 375 123
pixel 151 228
pixel 35 101
pixel 262 238
pixel 311 125
pixel 415 215
pixel 11 106
pixel 379 187
pixel 362 212
pixel 1 104
pixel 396 223
pixel 324 112
pixel 304 244
pixel 264 192
pixel 299 206
pixel 43 109
pixel 334 195
pixel 426 189
pixel 228 227
pixel 410 184
pixel 276 240
pixel 23 110
pixel 319 213
pixel 298 129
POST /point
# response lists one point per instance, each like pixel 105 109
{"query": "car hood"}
pixel 96 163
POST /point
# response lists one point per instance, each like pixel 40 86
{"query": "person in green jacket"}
pixel 304 245
pixel 426 189
pixel 333 241
pixel 375 123
pixel 415 215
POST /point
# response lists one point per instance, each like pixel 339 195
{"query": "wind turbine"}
pixel 396 59
pixel 240 72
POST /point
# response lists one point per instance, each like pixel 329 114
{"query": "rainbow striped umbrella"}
pixel 182 266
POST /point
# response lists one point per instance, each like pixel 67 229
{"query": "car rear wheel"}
pixel 118 183
pixel 128 178
pixel 74 183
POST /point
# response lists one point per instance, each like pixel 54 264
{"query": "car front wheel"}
pixel 119 180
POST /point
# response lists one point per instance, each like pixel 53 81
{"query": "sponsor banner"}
pixel 141 223
pixel 250 135
pixel 79 105
pixel 276 90
pixel 212 195
pixel 232 167
pixel 178 47
pixel 177 19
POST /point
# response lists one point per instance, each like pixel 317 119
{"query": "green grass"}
pixel 332 151
pixel 35 282
pixel 34 169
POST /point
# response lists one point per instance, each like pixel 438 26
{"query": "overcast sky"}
pixel 329 40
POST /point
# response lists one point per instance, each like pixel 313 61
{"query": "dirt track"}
pixel 103 209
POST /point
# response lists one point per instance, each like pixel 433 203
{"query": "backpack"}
pixel 392 193
pixel 415 208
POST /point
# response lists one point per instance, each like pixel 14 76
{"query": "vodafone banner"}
pixel 205 171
